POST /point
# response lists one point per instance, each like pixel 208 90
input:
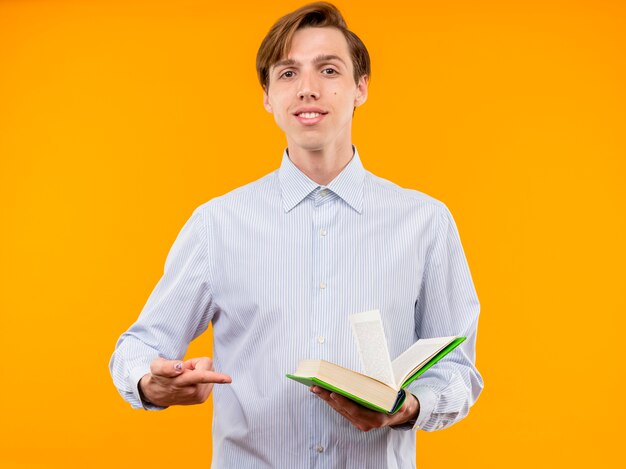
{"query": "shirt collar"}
pixel 348 185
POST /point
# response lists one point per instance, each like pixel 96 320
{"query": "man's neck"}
pixel 321 166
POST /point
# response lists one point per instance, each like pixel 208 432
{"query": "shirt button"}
pixel 321 339
pixel 322 285
pixel 319 449
pixel 323 232
pixel 324 192
pixel 440 426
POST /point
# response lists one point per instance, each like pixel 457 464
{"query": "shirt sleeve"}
pixel 177 311
pixel 447 305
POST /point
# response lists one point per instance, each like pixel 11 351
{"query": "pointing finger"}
pixel 192 377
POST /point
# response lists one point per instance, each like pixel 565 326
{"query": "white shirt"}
pixel 277 266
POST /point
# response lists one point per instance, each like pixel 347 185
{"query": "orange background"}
pixel 118 118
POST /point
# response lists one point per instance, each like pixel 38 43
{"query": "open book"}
pixel 381 387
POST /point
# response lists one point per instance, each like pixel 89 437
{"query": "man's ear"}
pixel 266 101
pixel 361 91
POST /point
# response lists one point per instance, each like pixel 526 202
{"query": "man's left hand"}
pixel 365 419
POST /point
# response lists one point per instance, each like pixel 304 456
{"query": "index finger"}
pixel 191 377
pixel 341 403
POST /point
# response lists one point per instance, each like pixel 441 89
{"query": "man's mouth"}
pixel 309 115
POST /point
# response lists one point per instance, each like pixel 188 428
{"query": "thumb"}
pixel 167 368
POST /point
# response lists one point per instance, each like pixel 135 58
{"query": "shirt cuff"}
pixel 427 399
pixel 133 378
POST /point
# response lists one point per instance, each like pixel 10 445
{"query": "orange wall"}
pixel 118 118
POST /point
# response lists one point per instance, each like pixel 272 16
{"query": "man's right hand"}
pixel 176 382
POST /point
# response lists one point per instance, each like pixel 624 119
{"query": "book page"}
pixel 417 355
pixel 372 345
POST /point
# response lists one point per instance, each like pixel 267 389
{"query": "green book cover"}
pixel 370 392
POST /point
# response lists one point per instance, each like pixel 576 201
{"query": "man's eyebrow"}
pixel 285 62
pixel 328 58
pixel 316 60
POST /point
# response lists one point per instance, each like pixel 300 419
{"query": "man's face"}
pixel 312 92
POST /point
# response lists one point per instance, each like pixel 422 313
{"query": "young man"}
pixel 278 265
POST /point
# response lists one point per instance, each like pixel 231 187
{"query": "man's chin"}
pixel 310 146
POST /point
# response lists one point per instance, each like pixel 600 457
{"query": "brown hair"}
pixel 277 43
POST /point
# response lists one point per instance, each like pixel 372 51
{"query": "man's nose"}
pixel 308 89
pixel 308 93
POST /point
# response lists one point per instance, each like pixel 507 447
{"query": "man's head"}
pixel 314 73
pixel 277 43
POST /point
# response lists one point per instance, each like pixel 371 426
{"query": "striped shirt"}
pixel 276 267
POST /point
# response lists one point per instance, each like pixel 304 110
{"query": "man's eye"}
pixel 329 71
pixel 287 74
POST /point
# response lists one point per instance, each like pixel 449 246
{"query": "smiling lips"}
pixel 310 116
